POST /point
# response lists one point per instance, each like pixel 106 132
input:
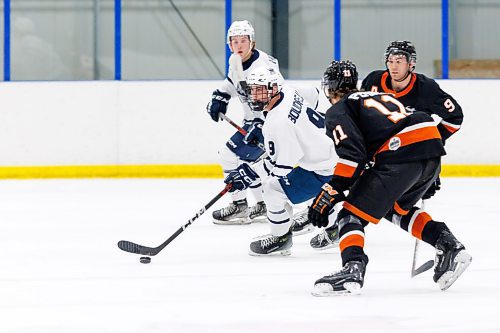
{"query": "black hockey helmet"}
pixel 340 76
pixel 402 47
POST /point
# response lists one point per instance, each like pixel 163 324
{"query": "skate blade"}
pixel 286 252
pixel 447 279
pixel 307 229
pixel 325 290
pixel 232 222
pixel 326 247
pixel 260 219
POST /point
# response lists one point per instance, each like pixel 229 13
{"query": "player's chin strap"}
pixel 406 76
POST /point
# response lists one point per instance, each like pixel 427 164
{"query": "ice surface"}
pixel 61 270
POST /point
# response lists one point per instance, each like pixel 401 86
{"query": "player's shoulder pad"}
pixel 427 85
pixel 372 78
pixel 425 81
pixel 375 74
pixel 269 59
pixel 336 110
pixel 272 59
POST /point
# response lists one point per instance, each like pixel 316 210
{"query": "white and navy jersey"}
pixel 294 135
pixel 310 94
pixel 231 86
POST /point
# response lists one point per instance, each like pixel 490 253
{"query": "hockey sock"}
pixel 352 238
pixel 256 189
pixel 419 224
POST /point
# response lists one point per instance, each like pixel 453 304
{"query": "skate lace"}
pixel 256 210
pixel 226 211
pixel 324 236
pixel 346 269
pixel 269 240
pixel 301 218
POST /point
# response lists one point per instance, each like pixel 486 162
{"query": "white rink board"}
pixel 165 122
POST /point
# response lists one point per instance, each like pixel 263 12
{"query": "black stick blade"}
pixel 136 248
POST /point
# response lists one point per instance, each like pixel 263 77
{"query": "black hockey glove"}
pixel 241 178
pixel 322 205
pixel 254 132
pixel 436 186
pixel 218 104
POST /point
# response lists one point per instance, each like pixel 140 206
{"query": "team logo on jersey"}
pixel 394 143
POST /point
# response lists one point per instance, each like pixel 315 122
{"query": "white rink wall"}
pixel 164 122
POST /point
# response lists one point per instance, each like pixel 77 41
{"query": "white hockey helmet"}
pixel 240 28
pixel 263 84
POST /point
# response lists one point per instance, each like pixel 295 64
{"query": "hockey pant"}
pixel 391 191
pixel 279 193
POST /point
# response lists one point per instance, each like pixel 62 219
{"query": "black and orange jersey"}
pixel 421 94
pixel 369 126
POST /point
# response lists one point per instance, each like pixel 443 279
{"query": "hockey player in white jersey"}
pixel 300 157
pixel 239 148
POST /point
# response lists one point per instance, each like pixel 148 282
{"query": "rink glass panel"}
pixel 61 40
pixel 75 39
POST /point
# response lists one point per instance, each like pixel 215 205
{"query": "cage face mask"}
pixel 263 85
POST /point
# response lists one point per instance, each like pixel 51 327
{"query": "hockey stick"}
pixel 232 123
pixel 152 251
pixel 427 265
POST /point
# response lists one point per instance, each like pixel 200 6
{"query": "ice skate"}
pixel 236 213
pixel 301 224
pixel 451 260
pixel 258 212
pixel 327 239
pixel 349 280
pixel 272 245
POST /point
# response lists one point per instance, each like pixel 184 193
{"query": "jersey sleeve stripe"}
pixel 359 213
pixel 408 137
pixel 287 167
pixel 344 170
pixel 452 128
pixel 266 168
pixel 349 163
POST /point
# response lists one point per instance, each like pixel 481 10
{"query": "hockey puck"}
pixel 145 260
